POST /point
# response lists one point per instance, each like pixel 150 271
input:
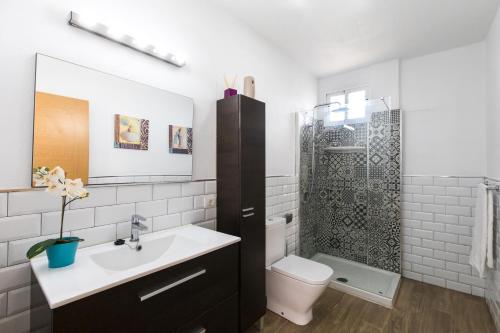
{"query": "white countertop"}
pixel 85 277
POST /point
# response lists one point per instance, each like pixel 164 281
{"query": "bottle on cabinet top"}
pixel 249 86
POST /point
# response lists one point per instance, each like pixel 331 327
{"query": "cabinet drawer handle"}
pixel 248 215
pixel 171 285
pixel 247 209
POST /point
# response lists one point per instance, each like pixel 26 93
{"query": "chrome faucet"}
pixel 136 226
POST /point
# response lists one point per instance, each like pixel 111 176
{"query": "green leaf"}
pixel 68 240
pixel 40 247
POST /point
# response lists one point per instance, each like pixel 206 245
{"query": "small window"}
pixel 354 99
pixel 340 98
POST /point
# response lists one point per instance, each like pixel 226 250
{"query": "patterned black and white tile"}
pixel 349 207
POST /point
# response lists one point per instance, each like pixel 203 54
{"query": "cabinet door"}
pixel 223 318
pixel 228 165
pixel 158 302
pixel 252 221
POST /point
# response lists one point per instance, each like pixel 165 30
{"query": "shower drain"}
pixel 342 279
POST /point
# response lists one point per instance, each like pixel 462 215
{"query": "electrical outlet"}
pixel 210 201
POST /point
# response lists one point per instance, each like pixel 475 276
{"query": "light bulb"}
pixel 87 22
pixel 140 44
pixel 179 59
pixel 114 34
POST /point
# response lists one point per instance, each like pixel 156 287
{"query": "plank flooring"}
pixel 419 308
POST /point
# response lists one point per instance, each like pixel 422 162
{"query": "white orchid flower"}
pixel 74 189
pixel 39 175
pixel 55 176
pixel 54 180
pixel 57 183
pixel 38 179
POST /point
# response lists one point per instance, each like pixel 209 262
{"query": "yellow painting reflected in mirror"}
pixel 61 134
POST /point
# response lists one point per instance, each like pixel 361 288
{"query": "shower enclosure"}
pixel 350 162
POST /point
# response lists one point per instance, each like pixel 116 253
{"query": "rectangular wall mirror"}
pixel 105 129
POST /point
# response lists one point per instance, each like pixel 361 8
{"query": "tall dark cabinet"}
pixel 241 171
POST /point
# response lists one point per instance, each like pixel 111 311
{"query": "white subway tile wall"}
pixel 166 222
pixel 193 216
pixel 493 277
pixel 193 188
pixel 3 255
pixel 113 214
pixel 282 197
pixel 3 212
pixel 3 305
pixel 22 203
pixel 176 205
pixel 74 219
pixel 166 191
pixel 437 220
pixel 18 300
pixel 29 217
pixel 99 196
pixel 126 194
pixel 19 227
pixel 151 208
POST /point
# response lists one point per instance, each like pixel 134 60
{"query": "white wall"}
pixel 493 98
pixel 214 44
pixel 381 79
pixel 443 102
pixel 442 96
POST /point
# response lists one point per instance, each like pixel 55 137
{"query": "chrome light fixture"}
pixel 78 21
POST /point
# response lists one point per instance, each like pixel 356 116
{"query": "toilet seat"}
pixel 304 270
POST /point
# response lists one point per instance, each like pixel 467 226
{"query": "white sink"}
pixel 124 257
pixel 104 266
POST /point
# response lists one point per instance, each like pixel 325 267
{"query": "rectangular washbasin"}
pixel 125 257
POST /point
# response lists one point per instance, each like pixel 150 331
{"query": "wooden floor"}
pixel 419 307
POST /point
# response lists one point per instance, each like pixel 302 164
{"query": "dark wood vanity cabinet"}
pixel 241 171
pixel 207 301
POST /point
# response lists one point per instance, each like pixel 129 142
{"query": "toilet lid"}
pixel 305 270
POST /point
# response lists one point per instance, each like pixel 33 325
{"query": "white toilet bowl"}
pixel 293 283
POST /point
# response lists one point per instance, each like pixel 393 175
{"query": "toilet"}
pixel 293 283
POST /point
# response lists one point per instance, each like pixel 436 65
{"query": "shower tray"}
pixel 360 280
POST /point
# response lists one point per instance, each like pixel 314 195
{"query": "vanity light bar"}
pixel 78 21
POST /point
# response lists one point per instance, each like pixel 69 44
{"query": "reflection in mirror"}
pixel 106 129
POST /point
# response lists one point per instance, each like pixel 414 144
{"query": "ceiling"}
pixel 332 36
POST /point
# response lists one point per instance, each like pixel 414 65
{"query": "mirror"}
pixel 105 129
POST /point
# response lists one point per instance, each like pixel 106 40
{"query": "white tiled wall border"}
pixel 27 217
pixel 437 217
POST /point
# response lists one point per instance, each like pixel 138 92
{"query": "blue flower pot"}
pixel 63 254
